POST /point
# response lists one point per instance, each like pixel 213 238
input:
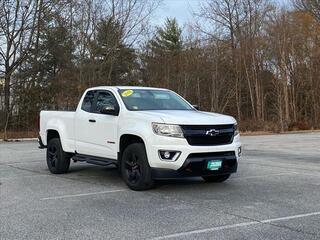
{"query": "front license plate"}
pixel 214 165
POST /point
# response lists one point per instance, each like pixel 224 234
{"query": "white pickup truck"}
pixel 148 133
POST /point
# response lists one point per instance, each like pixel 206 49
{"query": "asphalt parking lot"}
pixel 274 195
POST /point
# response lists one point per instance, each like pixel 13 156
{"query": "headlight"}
pixel 236 129
pixel 167 130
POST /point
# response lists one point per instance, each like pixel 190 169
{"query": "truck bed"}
pixel 65 121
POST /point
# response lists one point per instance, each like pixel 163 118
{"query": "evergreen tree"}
pixel 114 59
pixel 168 38
pixel 161 59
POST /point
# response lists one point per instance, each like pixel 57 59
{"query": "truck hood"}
pixel 186 117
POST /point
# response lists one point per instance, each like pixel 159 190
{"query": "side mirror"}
pixel 196 107
pixel 110 109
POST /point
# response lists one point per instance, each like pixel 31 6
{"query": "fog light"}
pixel 239 151
pixel 167 155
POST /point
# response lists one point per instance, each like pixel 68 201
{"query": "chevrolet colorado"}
pixel 149 133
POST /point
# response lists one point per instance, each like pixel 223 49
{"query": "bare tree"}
pixel 312 6
pixel 18 25
pixel 241 23
pixel 227 17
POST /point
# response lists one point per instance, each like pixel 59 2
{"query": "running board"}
pixel 94 160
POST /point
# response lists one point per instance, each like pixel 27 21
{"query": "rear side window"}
pixel 88 101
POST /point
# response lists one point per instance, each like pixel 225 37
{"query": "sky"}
pixel 182 10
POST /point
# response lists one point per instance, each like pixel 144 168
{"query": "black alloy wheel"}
pixel 52 155
pixel 58 161
pixel 135 169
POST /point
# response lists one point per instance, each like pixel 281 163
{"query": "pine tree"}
pixel 168 38
pixel 115 60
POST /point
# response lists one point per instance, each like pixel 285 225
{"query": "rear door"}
pixel 84 124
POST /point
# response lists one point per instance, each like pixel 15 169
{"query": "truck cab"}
pixel 148 133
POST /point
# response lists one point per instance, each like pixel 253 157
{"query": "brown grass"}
pixel 19 134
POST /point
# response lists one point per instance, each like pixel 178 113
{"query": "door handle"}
pixel 92 120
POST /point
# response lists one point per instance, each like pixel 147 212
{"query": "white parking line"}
pixel 290 217
pixel 82 194
pixel 206 230
pixel 185 234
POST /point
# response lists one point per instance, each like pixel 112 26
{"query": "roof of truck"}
pixel 125 87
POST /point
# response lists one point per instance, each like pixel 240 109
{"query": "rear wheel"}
pixel 58 161
pixel 135 169
pixel 220 178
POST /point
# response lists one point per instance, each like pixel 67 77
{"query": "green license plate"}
pixel 214 165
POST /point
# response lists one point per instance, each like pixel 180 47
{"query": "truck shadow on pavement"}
pixel 110 175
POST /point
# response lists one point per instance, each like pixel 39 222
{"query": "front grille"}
pixel 208 135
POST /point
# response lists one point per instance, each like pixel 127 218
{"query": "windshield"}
pixel 147 99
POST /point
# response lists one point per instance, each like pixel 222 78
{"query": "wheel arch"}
pixel 126 140
pixel 52 133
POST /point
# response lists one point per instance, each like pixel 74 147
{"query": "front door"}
pixel 99 130
pixel 105 128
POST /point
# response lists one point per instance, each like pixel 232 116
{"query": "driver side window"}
pixel 104 99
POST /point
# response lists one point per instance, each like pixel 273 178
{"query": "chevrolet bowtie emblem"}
pixel 212 132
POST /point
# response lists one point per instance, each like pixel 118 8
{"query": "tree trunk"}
pixel 254 115
pixel 6 104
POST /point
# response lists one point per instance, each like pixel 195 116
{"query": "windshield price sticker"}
pixel 127 93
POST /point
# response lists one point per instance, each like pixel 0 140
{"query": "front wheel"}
pixel 58 161
pixel 217 179
pixel 135 169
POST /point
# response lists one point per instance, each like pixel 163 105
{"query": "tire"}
pixel 217 179
pixel 58 161
pixel 135 169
